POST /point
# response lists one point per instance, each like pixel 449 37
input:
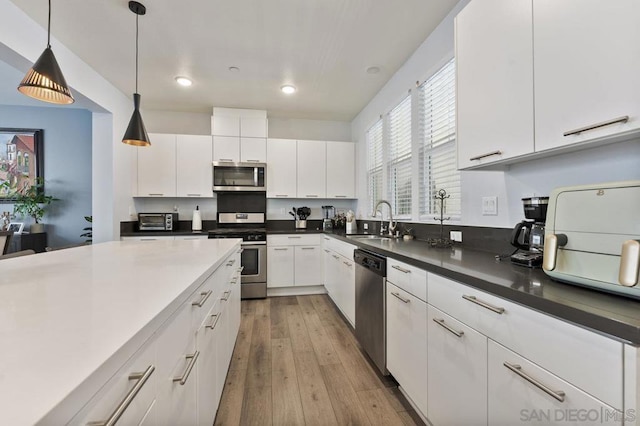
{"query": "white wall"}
pixel 537 177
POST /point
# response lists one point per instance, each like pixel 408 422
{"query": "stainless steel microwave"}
pixel 228 176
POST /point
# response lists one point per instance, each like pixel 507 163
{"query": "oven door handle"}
pixel 246 244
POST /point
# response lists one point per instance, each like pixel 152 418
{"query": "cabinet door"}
pixel 225 126
pixel 457 371
pixel 157 167
pixel 520 392
pixel 280 266
pixel 209 391
pixel 494 67
pixel 587 62
pixel 341 166
pixel 308 270
pixel 407 343
pixel 253 150
pixel 328 273
pixel 312 169
pixel 281 168
pixel 193 166
pixel 347 282
pixel 226 148
pixel 253 127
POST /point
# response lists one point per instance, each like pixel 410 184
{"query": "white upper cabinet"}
pixel 222 125
pixel 312 169
pixel 281 168
pixel 226 148
pixel 341 160
pixel 193 166
pixel 157 167
pixel 494 64
pixel 253 127
pixel 587 63
pixel 253 150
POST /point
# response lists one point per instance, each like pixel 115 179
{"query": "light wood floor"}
pixel 296 362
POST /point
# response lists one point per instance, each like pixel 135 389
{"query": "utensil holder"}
pixel 301 224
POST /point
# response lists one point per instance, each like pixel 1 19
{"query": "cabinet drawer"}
pixel 340 247
pixel 521 392
pixel 407 277
pixel 121 385
pixel 294 240
pixel 568 351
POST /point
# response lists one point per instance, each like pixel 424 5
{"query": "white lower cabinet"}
pixel 294 260
pixel 407 343
pixel 340 276
pixel 521 392
pixel 457 372
pixel 185 361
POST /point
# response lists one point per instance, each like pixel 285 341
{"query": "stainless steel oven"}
pixel 254 249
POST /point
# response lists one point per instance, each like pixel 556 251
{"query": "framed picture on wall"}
pixel 21 160
pixel 16 227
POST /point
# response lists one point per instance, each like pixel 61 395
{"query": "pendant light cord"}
pixel 49 27
pixel 136 52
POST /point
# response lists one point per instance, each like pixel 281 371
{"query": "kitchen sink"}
pixel 369 237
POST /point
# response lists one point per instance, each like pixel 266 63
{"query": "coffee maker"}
pixel 528 235
pixel 328 213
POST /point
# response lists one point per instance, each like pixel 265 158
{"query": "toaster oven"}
pixel 157 221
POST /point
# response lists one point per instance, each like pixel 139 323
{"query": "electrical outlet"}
pixel 455 236
pixel 489 206
pixel 366 226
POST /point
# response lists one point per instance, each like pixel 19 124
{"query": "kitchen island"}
pixel 70 319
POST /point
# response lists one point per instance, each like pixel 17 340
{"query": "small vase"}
pixel 36 228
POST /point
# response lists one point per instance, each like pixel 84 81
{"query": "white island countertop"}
pixel 70 318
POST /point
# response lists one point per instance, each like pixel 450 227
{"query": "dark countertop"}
pixel 616 316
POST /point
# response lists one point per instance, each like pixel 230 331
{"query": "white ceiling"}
pixel 323 47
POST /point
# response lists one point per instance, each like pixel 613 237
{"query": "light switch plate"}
pixel 489 206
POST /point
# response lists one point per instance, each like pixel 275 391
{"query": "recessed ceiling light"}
pixel 288 89
pixel 184 81
pixel 373 70
pixel 234 69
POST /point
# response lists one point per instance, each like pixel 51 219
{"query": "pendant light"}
pixel 136 134
pixel 44 81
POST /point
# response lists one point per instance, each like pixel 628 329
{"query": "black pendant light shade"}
pixel 136 133
pixel 44 81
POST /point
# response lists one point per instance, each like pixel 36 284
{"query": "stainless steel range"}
pixel 249 227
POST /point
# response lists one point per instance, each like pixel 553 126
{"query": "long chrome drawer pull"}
pixel 629 263
pixel 326 251
pixel 252 161
pixel 335 256
pixel 128 398
pixel 483 304
pixel 326 239
pixel 401 298
pixel 347 263
pixel 240 269
pixel 281 249
pixel 281 195
pixel 406 271
pixel 226 297
pixel 291 238
pixel 204 296
pixel 312 196
pixel 231 262
pixel 441 323
pixel 240 251
pixel 214 321
pixel 308 248
pixel 185 376
pixel 488 154
pixel 156 195
pixel 623 119
pixel 226 160
pixel 193 195
pixel 340 196
pixel 559 395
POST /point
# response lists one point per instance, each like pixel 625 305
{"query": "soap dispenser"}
pixel 196 222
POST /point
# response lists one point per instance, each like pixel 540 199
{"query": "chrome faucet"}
pixel 392 225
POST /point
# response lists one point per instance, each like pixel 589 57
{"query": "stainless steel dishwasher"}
pixel 371 330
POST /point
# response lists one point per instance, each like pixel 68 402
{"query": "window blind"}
pixel 374 164
pixel 437 152
pixel 399 165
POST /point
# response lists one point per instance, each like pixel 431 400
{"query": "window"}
pixel 437 144
pixel 374 164
pixel 399 165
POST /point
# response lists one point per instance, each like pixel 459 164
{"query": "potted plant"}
pixel 32 201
